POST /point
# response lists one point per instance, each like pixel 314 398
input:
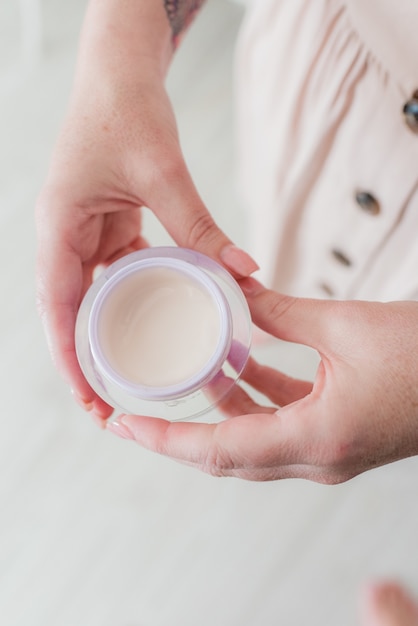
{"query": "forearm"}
pixel 130 39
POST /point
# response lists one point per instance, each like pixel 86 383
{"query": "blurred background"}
pixel 95 531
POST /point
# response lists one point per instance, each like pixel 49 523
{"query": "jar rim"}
pixel 189 385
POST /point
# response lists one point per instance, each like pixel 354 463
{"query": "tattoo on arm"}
pixel 180 13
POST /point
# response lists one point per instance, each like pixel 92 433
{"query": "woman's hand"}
pixel 119 150
pixel 360 412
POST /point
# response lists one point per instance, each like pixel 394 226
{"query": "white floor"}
pixel 93 530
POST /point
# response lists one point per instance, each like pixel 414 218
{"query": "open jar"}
pixel 163 332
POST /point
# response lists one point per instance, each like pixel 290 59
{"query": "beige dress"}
pixel 328 165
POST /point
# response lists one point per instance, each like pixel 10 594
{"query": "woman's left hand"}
pixel 360 412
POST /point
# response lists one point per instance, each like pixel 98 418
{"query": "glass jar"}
pixel 163 332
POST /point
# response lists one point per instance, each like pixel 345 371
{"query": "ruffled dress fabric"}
pixel 321 85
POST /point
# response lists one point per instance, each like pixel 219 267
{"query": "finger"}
pixel 233 399
pixel 255 449
pixel 93 270
pixel 184 215
pixel 139 243
pixel 300 320
pixel 120 233
pixel 275 385
pixel 59 289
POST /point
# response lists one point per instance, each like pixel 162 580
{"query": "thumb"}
pixel 300 320
pixel 187 220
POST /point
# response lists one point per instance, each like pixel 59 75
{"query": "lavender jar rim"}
pixel 205 374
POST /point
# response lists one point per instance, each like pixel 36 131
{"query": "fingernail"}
pixel 120 430
pixel 238 260
pixel 85 404
pixel 98 419
pixel 251 286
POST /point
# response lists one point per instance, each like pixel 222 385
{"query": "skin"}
pixel 117 152
pixel 360 412
pixel 388 604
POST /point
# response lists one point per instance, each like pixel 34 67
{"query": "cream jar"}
pixel 163 332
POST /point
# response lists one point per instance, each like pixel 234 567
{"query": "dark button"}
pixel 327 289
pixel 367 202
pixel 341 257
pixel 410 111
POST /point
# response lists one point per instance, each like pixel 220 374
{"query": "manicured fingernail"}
pixel 238 260
pixel 120 430
pixel 85 404
pixel 251 286
pixel 98 419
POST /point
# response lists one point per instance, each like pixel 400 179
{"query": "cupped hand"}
pixel 360 412
pixel 118 151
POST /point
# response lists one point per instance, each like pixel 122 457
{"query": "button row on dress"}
pixel 365 200
pixel 410 111
pixel 368 203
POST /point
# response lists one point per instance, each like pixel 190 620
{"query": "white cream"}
pixel 159 327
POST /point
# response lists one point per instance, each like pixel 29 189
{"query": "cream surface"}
pixel 159 327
